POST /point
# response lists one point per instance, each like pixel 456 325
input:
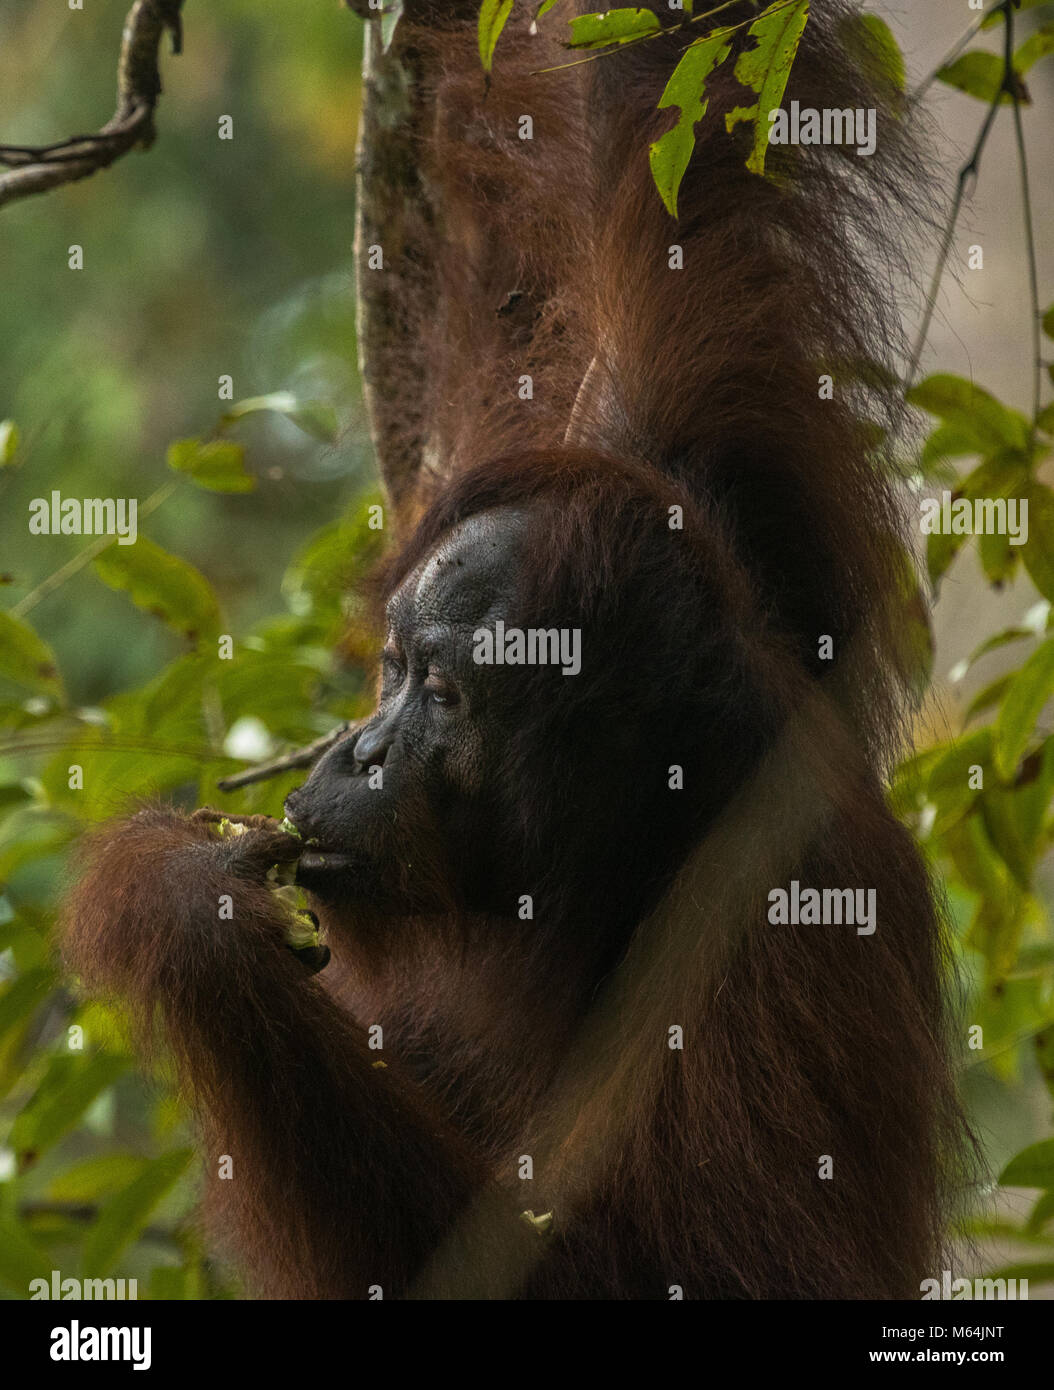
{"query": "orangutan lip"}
pixel 314 861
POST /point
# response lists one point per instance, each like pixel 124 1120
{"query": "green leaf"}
pixel 1014 816
pixel 613 26
pixel 669 155
pixel 914 633
pixel 335 558
pixel 885 48
pixel 999 639
pixel 996 17
pixel 1040 1213
pixel 29 833
pixel 1045 419
pixel 1035 47
pixel 977 74
pixel 124 1216
pixel 1032 1167
pixel 492 17
pixel 1038 550
pixel 97 1177
pixel 545 7
pixel 908 788
pixel 946 442
pixel 974 413
pixel 69 1086
pixel 1048 322
pixel 214 464
pixel 9 438
pixel 765 69
pixel 315 418
pixel 998 557
pixel 999 920
pixel 941 549
pixel 948 785
pixel 25 658
pixel 162 585
pixel 1029 691
pixel 1002 474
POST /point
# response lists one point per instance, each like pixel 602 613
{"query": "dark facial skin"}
pixel 432 744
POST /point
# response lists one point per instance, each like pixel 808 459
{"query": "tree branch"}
pixel 35 169
pixel 299 757
pixel 392 212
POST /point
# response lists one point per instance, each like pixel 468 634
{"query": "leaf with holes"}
pixel 765 69
pixel 613 26
pixel 669 155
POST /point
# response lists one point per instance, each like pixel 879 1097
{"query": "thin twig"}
pixel 1033 274
pixel 966 173
pixel 35 169
pixel 299 757
pixel 262 772
pixel 72 566
pixel 1008 87
pixel 617 46
pixel 953 53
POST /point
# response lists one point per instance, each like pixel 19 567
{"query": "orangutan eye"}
pixel 441 691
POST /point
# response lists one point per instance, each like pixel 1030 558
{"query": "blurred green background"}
pixel 202 258
pixel 205 258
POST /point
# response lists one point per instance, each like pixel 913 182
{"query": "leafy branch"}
pixel 592 28
pixel 764 69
